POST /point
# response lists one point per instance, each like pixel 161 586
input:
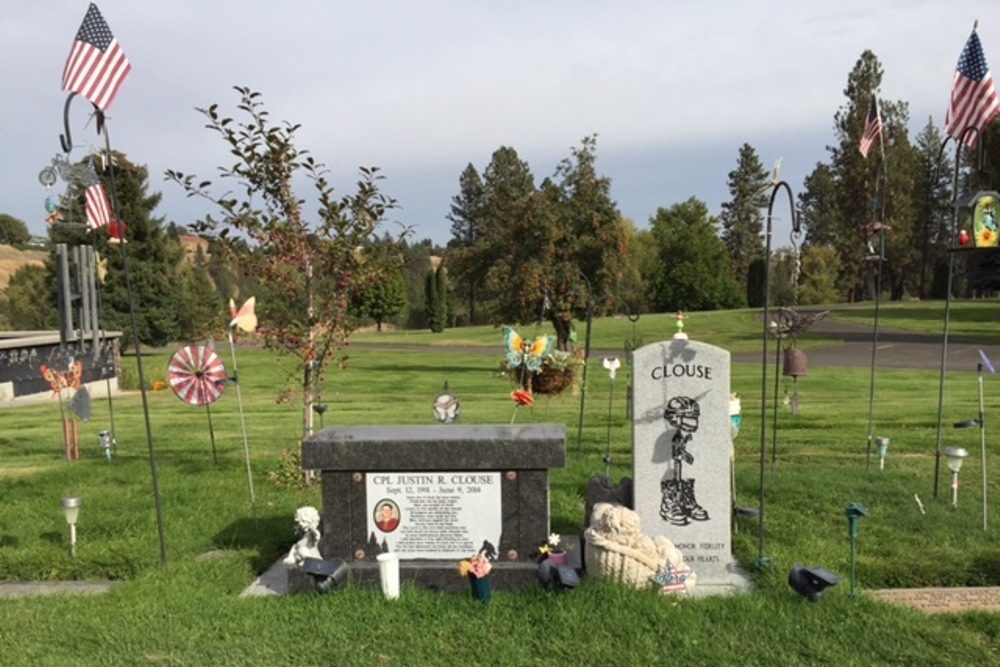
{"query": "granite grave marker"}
pixel 682 449
pixel 435 495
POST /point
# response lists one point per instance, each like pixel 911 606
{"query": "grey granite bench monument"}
pixel 435 495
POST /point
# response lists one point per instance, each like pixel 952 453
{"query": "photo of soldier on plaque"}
pixel 386 515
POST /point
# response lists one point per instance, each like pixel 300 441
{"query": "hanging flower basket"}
pixel 559 371
pixel 551 381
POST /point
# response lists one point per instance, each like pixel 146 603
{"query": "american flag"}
pixel 974 101
pixel 96 66
pixel 98 207
pixel 873 128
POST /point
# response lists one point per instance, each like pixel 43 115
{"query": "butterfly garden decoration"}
pixel 530 354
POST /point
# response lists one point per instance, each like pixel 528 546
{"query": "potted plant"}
pixel 555 550
pixel 477 569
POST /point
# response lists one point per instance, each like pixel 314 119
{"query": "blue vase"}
pixel 482 588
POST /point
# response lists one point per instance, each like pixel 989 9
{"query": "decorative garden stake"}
pixel 984 362
pixel 105 444
pixel 446 406
pixel 320 409
pixel 246 319
pixel 854 512
pixel 680 335
pixel 611 365
pixel 528 356
pixel 197 377
pixel 881 447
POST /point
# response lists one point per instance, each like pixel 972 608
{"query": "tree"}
pixel 416 259
pixel 436 298
pixel 932 205
pixel 819 276
pixel 316 268
pixel 467 218
pixel 561 250
pixel 817 207
pixel 638 263
pixel 693 271
pixel 384 299
pixel 13 231
pixel 742 217
pixel 205 310
pixel 508 186
pixel 27 295
pixel 849 200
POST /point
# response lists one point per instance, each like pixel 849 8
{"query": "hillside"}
pixel 11 259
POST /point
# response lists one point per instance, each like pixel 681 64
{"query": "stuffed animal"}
pixel 617 549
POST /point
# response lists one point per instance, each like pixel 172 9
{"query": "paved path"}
pixel 849 345
pixel 852 347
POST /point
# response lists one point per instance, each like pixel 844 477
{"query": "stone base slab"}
pixel 943 600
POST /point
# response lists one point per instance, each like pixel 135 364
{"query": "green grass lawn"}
pixel 189 612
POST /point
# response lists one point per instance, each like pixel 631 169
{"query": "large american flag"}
pixel 96 66
pixel 974 101
pixel 873 128
pixel 97 206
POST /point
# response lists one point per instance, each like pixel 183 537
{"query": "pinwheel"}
pixel 198 377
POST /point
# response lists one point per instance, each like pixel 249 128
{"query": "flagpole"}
pixel 135 339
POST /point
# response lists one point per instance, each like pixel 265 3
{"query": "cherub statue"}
pixel 306 525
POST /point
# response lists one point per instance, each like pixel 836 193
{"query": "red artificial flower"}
pixel 522 397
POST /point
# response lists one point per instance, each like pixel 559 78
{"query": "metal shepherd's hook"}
pixel 66 138
pixel 781 185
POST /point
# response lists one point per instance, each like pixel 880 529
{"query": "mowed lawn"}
pixel 815 463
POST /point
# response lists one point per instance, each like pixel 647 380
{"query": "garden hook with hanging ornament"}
pixel 66 138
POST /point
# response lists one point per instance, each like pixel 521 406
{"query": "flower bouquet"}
pixel 477 569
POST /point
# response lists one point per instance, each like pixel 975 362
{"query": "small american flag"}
pixel 96 66
pixel 873 129
pixel 98 207
pixel 974 101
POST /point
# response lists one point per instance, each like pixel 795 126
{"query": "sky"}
pixel 423 88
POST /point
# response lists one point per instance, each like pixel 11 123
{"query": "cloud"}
pixel 422 89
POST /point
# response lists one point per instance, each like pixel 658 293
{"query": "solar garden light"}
pixel 854 512
pixel 955 456
pixel 71 507
pixel 810 582
pixel 881 447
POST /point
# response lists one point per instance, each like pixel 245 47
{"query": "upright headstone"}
pixel 682 451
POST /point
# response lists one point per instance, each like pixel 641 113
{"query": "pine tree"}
pixel 742 218
pixel 437 300
pixel 467 218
